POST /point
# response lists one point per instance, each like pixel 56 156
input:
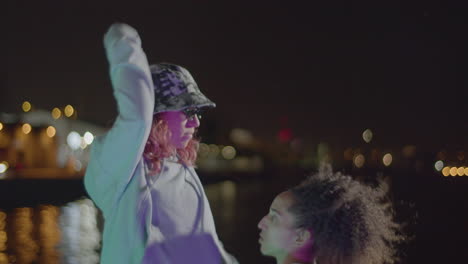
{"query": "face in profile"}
pixel 182 127
pixel 278 236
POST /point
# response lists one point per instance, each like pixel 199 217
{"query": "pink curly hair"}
pixel 158 147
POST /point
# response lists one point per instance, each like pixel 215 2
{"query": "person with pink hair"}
pixel 141 172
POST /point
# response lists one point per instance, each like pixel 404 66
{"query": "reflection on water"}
pixel 70 234
pixel 49 234
pixel 80 235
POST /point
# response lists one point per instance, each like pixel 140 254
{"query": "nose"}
pixel 261 225
pixel 193 122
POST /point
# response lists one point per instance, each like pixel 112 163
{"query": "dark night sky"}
pixel 397 67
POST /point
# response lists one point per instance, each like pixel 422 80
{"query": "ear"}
pixel 303 237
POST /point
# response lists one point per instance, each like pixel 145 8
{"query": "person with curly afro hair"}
pixel 330 218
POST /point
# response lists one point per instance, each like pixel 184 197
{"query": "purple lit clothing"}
pixel 140 210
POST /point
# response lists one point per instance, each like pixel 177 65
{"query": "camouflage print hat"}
pixel 175 89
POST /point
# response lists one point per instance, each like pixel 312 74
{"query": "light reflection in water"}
pixel 22 244
pixel 80 235
pixel 50 235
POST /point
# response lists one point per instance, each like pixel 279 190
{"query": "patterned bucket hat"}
pixel 175 89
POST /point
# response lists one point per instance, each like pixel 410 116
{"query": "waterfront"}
pixel 435 208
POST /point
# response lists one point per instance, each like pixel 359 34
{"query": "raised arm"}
pixel 115 156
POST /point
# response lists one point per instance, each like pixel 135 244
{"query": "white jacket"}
pixel 139 209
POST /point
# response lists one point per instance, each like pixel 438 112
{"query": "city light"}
pixel 83 144
pixel 359 160
pixel 3 238
pixel 446 171
pixel 88 138
pixel 3 258
pixel 74 140
pixel 387 159
pixel 214 150
pixel 23 235
pixel 3 166
pixel 203 150
pixel 77 165
pixel 241 136
pixel 56 113
pixel 439 165
pixel 48 233
pixel 69 110
pixel 228 152
pixel 26 128
pixel 51 131
pixel 453 171
pixel 26 106
pixel 80 237
pixel 367 135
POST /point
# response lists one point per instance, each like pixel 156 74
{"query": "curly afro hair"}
pixel 350 222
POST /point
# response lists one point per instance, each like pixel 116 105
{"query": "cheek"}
pixel 286 239
pixel 281 237
pixel 176 129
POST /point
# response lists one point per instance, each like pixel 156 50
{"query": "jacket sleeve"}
pixel 115 155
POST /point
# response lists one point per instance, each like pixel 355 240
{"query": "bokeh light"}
pixel 56 113
pixel 69 110
pixel 446 171
pixel 83 144
pixel 26 128
pixel 439 165
pixel 453 171
pixel 77 165
pixel 74 140
pixel 80 236
pixel 460 171
pixel 359 160
pixel 367 135
pixel 3 167
pixel 88 137
pixel 214 150
pixel 1 126
pixel 26 106
pixel 3 258
pixel 466 171
pixel 387 159
pixel 3 235
pixel 23 224
pixel 50 131
pixel 241 136
pixel 228 152
pixel 241 163
pixel 203 150
pixel 48 233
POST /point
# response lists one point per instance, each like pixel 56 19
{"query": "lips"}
pixel 187 136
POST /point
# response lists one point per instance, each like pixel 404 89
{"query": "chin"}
pixel 182 145
pixel 263 251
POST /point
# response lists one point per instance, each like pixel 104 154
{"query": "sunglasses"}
pixel 191 112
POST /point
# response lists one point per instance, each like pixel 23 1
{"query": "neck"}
pixel 302 255
pixel 289 259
